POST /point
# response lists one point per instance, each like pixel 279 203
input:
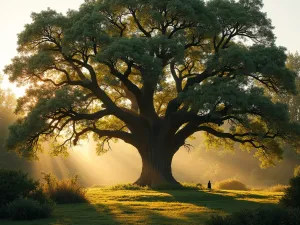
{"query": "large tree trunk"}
pixel 156 168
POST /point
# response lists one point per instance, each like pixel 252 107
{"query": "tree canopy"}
pixel 152 73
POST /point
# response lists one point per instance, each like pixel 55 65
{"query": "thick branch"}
pixel 139 25
pixel 127 137
pixel 234 137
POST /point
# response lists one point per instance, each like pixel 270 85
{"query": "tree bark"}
pixel 156 167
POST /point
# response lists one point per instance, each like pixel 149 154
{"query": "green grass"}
pixel 154 207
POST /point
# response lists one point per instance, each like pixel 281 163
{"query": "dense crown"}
pixel 116 65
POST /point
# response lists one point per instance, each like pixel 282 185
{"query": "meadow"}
pixel 108 206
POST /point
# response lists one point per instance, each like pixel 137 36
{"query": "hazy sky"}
pixel 15 13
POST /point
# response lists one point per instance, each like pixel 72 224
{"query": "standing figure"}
pixel 209 185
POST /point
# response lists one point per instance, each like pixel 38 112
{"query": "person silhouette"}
pixel 209 185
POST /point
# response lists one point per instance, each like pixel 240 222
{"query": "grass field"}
pixel 153 207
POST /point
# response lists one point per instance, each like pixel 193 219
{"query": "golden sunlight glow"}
pixel 18 91
pixel 121 165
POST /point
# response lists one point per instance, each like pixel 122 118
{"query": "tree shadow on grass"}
pixel 218 201
pixel 180 206
pixel 84 214
pixel 153 207
pixel 72 214
pixel 126 214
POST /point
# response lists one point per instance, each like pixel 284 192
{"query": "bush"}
pixel 262 216
pixel 16 184
pixel 297 171
pixel 192 186
pixel 291 197
pixel 277 188
pixel 40 196
pixel 231 184
pixel 64 191
pixel 3 212
pixel 28 209
pixel 127 187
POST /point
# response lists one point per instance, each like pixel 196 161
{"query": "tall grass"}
pixel 64 191
pixel 277 188
pixel 126 187
pixel 297 171
pixel 182 186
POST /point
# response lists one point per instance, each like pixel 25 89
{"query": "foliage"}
pixel 16 184
pixel 3 212
pixel 7 105
pixel 297 171
pixel 291 196
pixel 39 195
pixel 127 187
pixel 278 188
pixel 28 209
pixel 64 191
pixel 260 216
pixel 151 73
pixel 195 186
pixel 7 117
pixel 293 101
pixel 181 186
pixel 231 184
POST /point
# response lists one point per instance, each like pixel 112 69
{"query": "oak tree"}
pixel 152 73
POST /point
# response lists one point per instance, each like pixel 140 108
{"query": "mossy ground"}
pixel 153 207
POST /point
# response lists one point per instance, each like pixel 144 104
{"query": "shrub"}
pixel 192 186
pixel 231 184
pixel 16 184
pixel 40 196
pixel 3 212
pixel 291 196
pixel 261 216
pixel 28 209
pixel 277 188
pixel 64 191
pixel 127 187
pixel 297 171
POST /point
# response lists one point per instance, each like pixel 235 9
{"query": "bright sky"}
pixel 14 14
